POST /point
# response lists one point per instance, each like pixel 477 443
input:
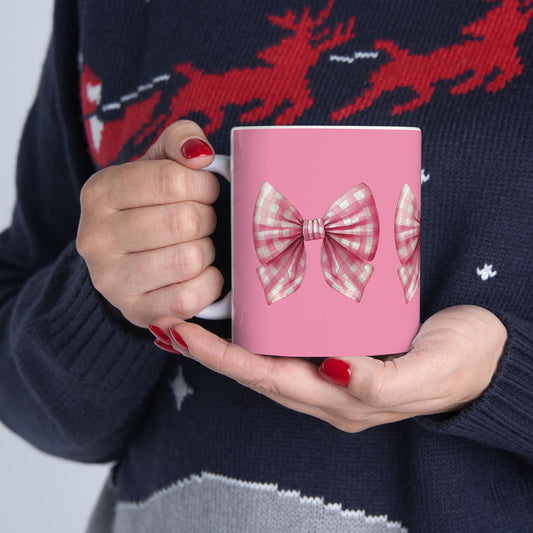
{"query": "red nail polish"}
pixel 336 371
pixel 159 334
pixel 195 148
pixel 178 339
pixel 166 347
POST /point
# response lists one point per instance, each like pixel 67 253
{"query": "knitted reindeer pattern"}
pixel 278 89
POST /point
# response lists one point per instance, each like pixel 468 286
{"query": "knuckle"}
pixel 370 393
pixel 185 123
pixel 190 260
pixel 265 387
pixel 170 223
pixel 184 302
pixel 90 192
pixel 266 384
pixel 170 133
pixel 211 219
pixel 95 189
pixel 171 181
pixel 217 281
pixel 209 252
pixel 375 393
pixel 89 244
pixel 222 357
pixel 83 243
pixel 188 221
pixel 87 192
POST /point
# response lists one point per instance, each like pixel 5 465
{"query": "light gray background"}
pixel 38 493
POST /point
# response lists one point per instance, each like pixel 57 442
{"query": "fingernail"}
pixel 178 339
pixel 195 148
pixel 166 347
pixel 159 334
pixel 336 371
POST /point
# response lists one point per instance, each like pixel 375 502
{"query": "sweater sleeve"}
pixel 74 381
pixel 502 416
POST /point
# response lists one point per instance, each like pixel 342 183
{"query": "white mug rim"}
pixel 326 127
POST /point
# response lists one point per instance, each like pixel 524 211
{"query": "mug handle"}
pixel 222 309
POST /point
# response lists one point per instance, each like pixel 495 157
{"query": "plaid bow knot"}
pixel 407 237
pixel 350 233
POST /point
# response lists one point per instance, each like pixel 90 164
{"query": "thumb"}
pixel 382 383
pixel 183 142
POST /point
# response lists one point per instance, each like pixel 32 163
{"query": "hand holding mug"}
pixel 145 226
pixel 450 363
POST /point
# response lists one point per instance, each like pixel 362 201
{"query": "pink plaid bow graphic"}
pixel 407 237
pixel 350 233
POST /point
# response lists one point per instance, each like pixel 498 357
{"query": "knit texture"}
pixel 195 451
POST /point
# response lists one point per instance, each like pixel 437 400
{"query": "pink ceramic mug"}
pixel 325 239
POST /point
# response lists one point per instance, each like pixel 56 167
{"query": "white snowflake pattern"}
pixel 486 272
pixel 180 388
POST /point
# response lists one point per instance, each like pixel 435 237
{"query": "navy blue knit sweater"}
pixel 195 451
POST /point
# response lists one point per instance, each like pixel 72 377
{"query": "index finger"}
pixel 283 379
pixel 146 183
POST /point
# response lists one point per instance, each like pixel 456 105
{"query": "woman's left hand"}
pixel 450 363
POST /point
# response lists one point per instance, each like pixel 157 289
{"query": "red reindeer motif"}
pixel 280 86
pixel 490 50
pixel 281 83
pixel 283 80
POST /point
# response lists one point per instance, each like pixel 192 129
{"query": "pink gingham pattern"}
pixel 350 233
pixel 407 237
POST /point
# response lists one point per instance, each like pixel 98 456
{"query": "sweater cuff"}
pixel 503 416
pixel 85 339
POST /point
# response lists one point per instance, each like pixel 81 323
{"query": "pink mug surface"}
pixel 326 239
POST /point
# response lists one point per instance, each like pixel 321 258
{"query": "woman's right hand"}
pixel 144 229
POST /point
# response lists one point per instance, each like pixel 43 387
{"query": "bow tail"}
pixel 283 275
pixel 344 271
pixel 410 275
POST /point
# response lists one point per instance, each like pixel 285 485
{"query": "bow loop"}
pixel 352 222
pixel 350 232
pixel 407 238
